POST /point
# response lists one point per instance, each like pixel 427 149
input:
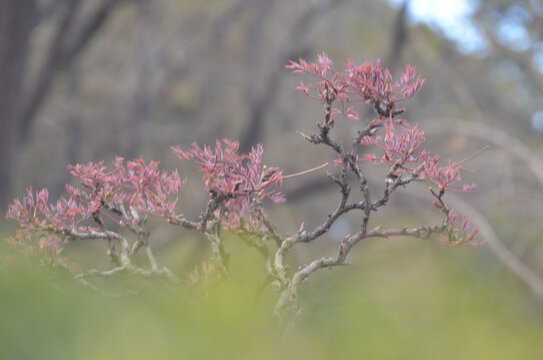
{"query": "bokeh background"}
pixel 87 80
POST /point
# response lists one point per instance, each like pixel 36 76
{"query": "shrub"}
pixel 113 201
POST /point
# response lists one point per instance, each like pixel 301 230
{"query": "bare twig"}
pixel 498 137
pixel 305 171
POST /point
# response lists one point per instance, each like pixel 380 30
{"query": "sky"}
pixel 450 17
pixel 453 19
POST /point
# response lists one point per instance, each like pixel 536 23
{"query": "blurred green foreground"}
pixel 399 300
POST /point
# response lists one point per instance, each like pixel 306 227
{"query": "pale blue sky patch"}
pixel 512 30
pixel 452 18
pixel 538 56
pixel 512 34
pixel 537 121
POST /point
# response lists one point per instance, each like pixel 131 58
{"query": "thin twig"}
pixel 305 171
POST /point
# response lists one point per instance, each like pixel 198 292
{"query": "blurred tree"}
pixel 180 75
pixel 26 84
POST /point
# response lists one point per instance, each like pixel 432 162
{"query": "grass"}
pixel 399 300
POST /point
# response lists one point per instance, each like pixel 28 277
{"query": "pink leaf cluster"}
pixel 239 178
pixel 445 177
pixel 48 244
pixel 141 186
pixel 368 83
pixel 463 236
pixel 371 83
pixel 401 146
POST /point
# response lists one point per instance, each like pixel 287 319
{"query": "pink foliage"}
pixel 464 236
pixel 399 147
pixel 139 185
pixel 227 172
pixel 444 177
pixel 368 83
pixel 237 184
pixel 401 144
pixel 240 178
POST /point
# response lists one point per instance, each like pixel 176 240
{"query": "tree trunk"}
pixel 17 19
pixel 21 99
